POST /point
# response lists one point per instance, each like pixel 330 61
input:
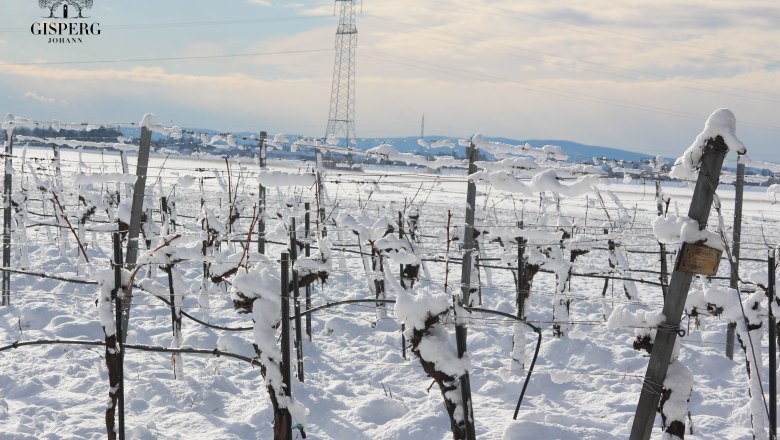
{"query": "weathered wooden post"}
pixel 772 349
pixel 296 301
pixel 125 168
pixel 7 185
pixel 659 203
pixel 518 338
pixel 521 293
pixel 176 358
pixel 166 220
pixel 57 165
pixel 713 152
pixel 307 250
pixel 735 245
pixel 320 196
pixel 261 162
pixel 286 335
pixel 464 300
pixel 136 213
pixel 403 282
pixel 117 297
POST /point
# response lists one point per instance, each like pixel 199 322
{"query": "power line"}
pixel 194 57
pixel 523 16
pixel 760 95
pixel 168 25
pixel 486 77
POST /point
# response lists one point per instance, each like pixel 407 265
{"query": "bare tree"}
pixel 80 4
pixel 51 5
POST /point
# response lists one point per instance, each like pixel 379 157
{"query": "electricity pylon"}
pixel 341 120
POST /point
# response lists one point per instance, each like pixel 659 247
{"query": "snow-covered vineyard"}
pixel 518 296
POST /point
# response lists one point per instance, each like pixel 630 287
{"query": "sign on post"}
pixel 699 259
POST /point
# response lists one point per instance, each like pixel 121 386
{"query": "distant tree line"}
pixel 99 134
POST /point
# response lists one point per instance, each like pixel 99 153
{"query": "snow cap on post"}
pixel 720 123
pixel 151 123
pixel 476 139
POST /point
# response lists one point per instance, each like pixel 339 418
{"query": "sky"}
pixel 637 75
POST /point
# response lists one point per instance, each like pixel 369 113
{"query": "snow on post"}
pixel 260 287
pixel 720 123
pixel 151 123
pixel 706 154
pixel 772 191
pixel 108 291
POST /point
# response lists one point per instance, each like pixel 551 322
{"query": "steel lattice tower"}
pixel 341 120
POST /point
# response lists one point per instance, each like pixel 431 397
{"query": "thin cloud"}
pixel 43 99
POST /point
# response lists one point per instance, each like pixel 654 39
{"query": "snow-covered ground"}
pixel 357 384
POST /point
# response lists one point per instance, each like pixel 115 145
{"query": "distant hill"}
pixel 577 152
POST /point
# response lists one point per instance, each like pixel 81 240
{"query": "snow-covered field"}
pixel 357 385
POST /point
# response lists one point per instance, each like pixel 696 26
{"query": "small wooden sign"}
pixel 699 259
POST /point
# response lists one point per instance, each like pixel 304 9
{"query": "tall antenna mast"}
pixel 341 119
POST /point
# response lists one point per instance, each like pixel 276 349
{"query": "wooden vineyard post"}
pixel 176 358
pixel 521 293
pixel 296 302
pixel 7 185
pixel 123 160
pixel 320 197
pixel 771 295
pixel 518 339
pixel 735 246
pixel 261 161
pixel 464 300
pixel 403 283
pixel 307 250
pixel 57 165
pixel 659 203
pixel 714 151
pixel 206 246
pixel 286 335
pixel 135 218
pixel 165 230
pixel 119 339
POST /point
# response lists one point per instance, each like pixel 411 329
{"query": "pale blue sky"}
pixel 637 75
